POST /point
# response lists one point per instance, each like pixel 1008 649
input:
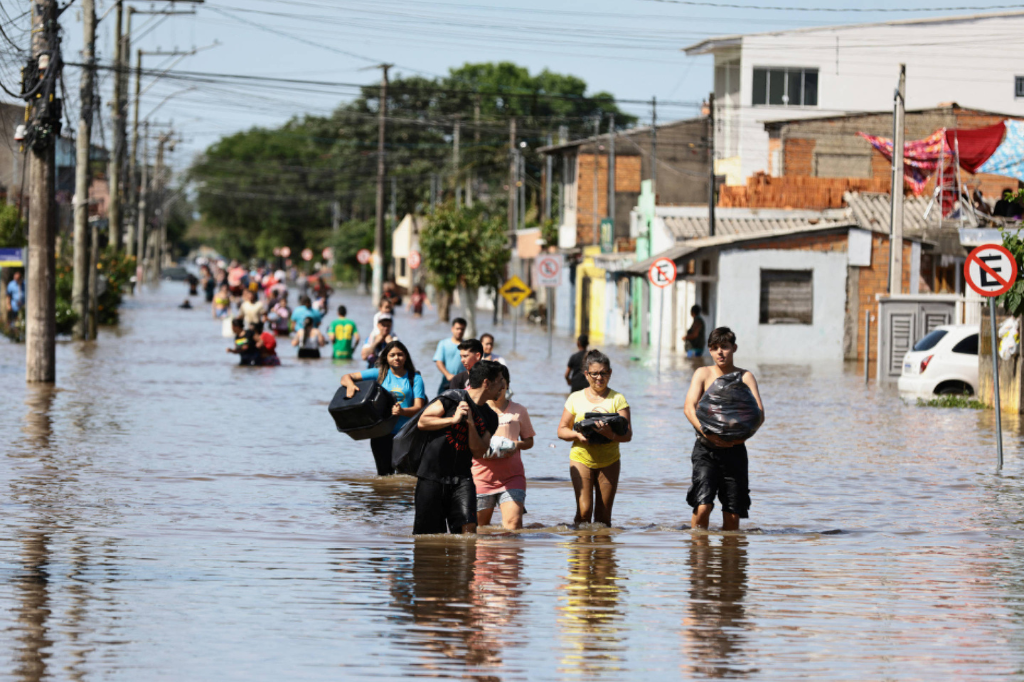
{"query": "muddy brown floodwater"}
pixel 167 515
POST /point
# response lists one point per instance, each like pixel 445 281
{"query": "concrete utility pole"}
pixel 513 171
pixel 654 148
pixel 79 286
pixel 117 114
pixel 611 171
pixel 563 137
pixel 140 212
pixel 548 177
pixel 471 176
pixel 158 193
pixel 378 234
pixel 597 217
pixel 455 161
pixel 41 78
pixel 711 165
pixel 896 218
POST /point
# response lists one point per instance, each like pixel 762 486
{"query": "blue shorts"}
pixel 492 500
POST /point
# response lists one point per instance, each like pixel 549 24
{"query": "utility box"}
pixel 905 318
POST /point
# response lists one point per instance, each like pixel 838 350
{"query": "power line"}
pixel 771 8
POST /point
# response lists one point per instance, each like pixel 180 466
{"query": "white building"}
pixel 975 60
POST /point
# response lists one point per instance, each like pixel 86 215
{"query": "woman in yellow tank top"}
pixel 593 467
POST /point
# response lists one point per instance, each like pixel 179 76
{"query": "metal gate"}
pixel 905 319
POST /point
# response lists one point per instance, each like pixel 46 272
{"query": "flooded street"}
pixel 169 515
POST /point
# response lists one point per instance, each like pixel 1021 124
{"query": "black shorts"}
pixel 444 507
pixel 721 472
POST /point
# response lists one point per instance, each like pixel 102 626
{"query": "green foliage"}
pixel 118 269
pixel 346 242
pixel 466 246
pixel 12 230
pixel 1013 300
pixel 549 232
pixel 953 400
pixel 66 316
pixel 264 188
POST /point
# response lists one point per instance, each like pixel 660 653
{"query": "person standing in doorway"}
pixel 446 357
pixel 696 334
pixel 397 375
pixel 574 374
pixel 594 468
pixel 15 297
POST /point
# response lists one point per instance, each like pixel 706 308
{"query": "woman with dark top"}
pixel 395 373
pixel 309 340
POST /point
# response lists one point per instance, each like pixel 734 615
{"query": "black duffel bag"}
pixel 367 414
pixel 587 426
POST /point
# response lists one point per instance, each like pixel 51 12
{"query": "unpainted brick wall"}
pixel 627 179
pixel 762 191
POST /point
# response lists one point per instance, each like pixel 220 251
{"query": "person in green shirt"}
pixel 344 335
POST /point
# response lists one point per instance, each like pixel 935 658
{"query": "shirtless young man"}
pixel 719 467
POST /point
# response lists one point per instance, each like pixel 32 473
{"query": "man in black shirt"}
pixel 445 492
pixel 574 375
pixel 470 351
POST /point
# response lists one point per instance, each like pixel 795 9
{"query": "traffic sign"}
pixel 328 253
pixel 990 270
pixel 515 291
pixel 548 270
pixel 363 256
pixel 662 272
pixel 285 251
pixel 307 254
pixel 414 260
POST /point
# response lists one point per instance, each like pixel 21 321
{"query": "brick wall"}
pixel 798 157
pixel 762 191
pixel 627 179
pixel 874 280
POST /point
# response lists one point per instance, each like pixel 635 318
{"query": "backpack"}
pixel 407 450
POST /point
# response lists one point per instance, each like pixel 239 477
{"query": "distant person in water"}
pixel 245 344
pixel 309 340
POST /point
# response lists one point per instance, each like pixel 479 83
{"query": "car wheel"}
pixel 953 388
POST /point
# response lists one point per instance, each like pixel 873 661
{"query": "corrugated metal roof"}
pixel 691 222
pixel 871 211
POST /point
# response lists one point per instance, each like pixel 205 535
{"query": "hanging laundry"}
pixel 1008 158
pixel 920 157
pixel 975 146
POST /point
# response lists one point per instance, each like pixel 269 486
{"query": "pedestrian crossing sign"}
pixel 515 291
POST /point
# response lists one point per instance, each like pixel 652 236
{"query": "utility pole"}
pixel 597 217
pixel 157 194
pixel 79 286
pixel 41 76
pixel 474 155
pixel 611 171
pixel 654 148
pixel 117 111
pixel 378 233
pixel 711 165
pixel 455 161
pixel 896 218
pixel 140 212
pixel 433 193
pixel 521 184
pixel 513 171
pixel 563 137
pixel 548 177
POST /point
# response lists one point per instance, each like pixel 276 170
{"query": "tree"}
pixel 465 249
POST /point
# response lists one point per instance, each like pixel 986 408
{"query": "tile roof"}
pixel 691 222
pixel 871 211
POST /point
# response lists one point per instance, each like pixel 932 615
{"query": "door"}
pixel 585 306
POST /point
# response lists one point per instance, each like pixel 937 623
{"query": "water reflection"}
pixel 590 614
pixel 464 603
pixel 383 501
pixel 714 629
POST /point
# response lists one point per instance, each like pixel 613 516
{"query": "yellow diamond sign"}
pixel 515 291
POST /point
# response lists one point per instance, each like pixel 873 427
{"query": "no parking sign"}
pixel 990 270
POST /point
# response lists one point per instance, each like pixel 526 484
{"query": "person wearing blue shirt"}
pixel 447 357
pixel 303 310
pixel 15 297
pixel 396 374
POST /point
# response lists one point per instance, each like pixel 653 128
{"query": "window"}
pixel 787 297
pixel 1018 86
pixel 792 87
pixel 967 345
pixel 929 340
pixel 401 267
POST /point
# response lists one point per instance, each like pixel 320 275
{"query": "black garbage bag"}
pixel 728 409
pixel 407 450
pixel 587 426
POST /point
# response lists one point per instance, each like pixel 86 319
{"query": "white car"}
pixel 944 361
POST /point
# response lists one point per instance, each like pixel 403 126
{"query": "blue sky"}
pixel 631 48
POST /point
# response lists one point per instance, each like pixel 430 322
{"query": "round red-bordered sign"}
pixel 363 256
pixel 414 260
pixel 990 270
pixel 662 272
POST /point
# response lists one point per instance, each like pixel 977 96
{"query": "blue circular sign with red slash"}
pixel 990 270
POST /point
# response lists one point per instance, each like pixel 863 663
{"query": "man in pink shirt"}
pixel 499 475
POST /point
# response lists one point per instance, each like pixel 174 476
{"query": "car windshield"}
pixel 929 341
pixel 968 345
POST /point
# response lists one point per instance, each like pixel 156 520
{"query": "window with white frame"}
pixel 785 86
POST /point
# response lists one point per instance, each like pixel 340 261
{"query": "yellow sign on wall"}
pixel 515 291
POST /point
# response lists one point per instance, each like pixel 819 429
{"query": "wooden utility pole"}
pixel 158 201
pixel 115 167
pixel 548 177
pixel 141 210
pixel 896 217
pixel 456 129
pixel 79 286
pixel 597 216
pixel 44 124
pixel 377 287
pixel 711 165
pixel 654 148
